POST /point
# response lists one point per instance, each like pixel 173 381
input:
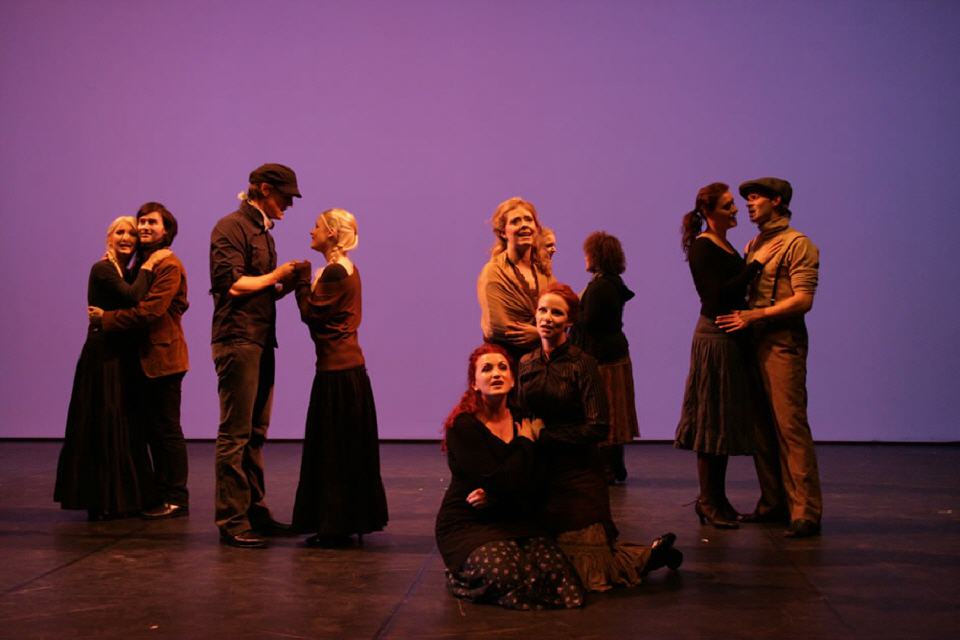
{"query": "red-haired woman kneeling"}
pixel 492 549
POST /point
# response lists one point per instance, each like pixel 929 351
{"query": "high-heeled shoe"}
pixel 728 511
pixel 709 513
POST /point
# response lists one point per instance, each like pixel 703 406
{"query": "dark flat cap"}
pixel 280 176
pixel 768 186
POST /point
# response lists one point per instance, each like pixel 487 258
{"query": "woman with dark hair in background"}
pixel 103 465
pixel 559 385
pixel 493 550
pixel 340 491
pixel 599 332
pixel 720 409
pixel 510 283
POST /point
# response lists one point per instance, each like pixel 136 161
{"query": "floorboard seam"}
pixel 385 627
pixel 99 549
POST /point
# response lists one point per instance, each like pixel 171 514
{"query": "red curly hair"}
pixel 471 400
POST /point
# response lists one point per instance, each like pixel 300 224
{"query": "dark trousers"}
pixel 245 383
pixel 788 465
pixel 159 413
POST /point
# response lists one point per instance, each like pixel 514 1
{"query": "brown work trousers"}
pixel 785 460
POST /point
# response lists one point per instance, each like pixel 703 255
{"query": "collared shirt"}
pixel 798 263
pixel 241 245
pixel 267 222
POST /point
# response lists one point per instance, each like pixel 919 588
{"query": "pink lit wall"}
pixel 421 116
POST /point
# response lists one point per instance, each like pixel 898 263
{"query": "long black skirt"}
pixel 103 465
pixel 340 490
pixel 721 404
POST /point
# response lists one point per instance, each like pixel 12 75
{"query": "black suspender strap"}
pixel 776 276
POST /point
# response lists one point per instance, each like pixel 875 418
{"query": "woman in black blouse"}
pixel 559 384
pixel 103 465
pixel 493 550
pixel 720 410
pixel 599 332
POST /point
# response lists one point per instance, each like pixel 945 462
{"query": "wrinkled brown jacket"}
pixel 163 348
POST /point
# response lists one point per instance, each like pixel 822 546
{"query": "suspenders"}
pixel 776 277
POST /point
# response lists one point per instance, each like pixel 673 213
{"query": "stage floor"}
pixel 887 565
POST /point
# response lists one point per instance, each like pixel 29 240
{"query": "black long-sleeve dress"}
pixel 499 553
pixel 564 391
pixel 340 490
pixel 720 408
pixel 103 465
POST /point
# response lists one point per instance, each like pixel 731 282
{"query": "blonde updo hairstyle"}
pixel 343 227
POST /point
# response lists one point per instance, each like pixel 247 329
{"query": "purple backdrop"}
pixel 421 116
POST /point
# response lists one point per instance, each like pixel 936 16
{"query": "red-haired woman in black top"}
pixel 493 550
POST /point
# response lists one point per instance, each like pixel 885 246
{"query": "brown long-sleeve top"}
pixel 332 311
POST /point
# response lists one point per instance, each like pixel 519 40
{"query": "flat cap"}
pixel 768 186
pixel 280 176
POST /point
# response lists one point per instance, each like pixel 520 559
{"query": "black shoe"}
pixel 248 539
pixel 662 554
pixel 773 516
pixel 728 511
pixel 164 511
pixel 329 541
pixel 802 529
pixel 709 513
pixel 272 527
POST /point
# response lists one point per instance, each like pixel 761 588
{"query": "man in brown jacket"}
pixel 163 360
pixel 780 297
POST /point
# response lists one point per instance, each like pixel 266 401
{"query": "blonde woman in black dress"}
pixel 103 466
pixel 340 491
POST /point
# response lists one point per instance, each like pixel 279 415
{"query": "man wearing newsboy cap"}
pixel 245 282
pixel 780 296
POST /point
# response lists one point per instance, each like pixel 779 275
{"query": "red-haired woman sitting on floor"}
pixel 493 551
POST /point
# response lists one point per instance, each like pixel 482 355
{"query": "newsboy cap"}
pixel 280 176
pixel 770 187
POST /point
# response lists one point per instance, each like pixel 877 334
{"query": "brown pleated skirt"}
pixel 600 563
pixel 617 380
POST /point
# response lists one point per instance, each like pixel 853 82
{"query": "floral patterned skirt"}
pixel 525 573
